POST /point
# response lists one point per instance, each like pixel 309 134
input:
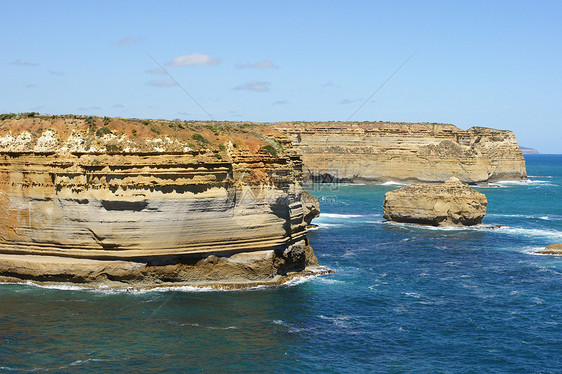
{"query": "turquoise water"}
pixel 403 299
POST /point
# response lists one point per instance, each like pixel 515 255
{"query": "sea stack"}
pixel 143 203
pixel 452 203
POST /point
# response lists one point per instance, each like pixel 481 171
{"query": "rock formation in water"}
pixel 553 249
pixel 143 203
pixel 311 207
pixel 377 152
pixel 452 203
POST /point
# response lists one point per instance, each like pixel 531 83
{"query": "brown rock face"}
pixel 195 203
pixel 409 152
pixel 553 249
pixel 311 207
pixel 450 204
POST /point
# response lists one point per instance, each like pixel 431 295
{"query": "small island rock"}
pixel 452 203
pixel 553 249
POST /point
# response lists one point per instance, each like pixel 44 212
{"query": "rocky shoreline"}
pixel 116 202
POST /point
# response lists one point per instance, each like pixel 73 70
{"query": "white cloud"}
pixel 195 59
pixel 156 71
pixel 20 62
pixel 265 64
pixel 255 86
pixel 162 83
pixel 280 102
pixel 128 40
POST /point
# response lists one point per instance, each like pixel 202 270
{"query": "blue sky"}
pixel 474 63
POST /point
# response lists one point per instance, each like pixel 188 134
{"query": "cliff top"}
pixel 31 132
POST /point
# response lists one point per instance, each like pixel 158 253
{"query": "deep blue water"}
pixel 403 299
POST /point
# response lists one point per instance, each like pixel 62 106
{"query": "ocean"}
pixel 403 299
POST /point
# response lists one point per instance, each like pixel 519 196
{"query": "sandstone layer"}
pixel 377 152
pixel 144 203
pixel 452 203
pixel 553 249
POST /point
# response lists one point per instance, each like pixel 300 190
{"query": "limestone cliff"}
pixel 377 152
pixel 149 202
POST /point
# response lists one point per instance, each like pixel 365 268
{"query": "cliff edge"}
pixel 376 152
pixel 143 203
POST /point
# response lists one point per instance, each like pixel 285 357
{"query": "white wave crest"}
pixel 524 182
pixel 335 215
pixel 392 183
pixel 545 233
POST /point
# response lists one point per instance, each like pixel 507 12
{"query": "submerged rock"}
pixel 553 249
pixel 452 203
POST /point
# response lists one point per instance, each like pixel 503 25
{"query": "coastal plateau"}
pixel 377 152
pixel 143 203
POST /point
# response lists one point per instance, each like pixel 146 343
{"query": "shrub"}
pixel 103 131
pixel 90 121
pixel 7 116
pixel 270 149
pixel 199 139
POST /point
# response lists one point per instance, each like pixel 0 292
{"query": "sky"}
pixel 470 63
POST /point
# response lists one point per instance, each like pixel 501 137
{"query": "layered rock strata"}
pixel 452 203
pixel 145 203
pixel 378 152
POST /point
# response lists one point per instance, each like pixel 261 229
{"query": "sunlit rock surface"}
pixel 452 203
pixel 553 249
pixel 130 202
pixel 375 152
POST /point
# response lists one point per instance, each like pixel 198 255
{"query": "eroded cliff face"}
pixel 129 202
pixel 406 152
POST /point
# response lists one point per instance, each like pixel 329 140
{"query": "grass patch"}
pixel 200 139
pixel 270 149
